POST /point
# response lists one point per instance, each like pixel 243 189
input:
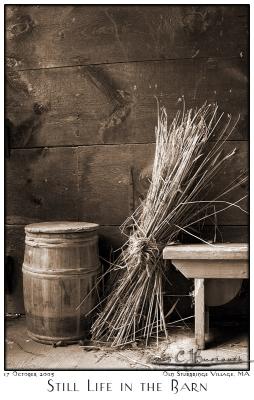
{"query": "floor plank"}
pixel 23 353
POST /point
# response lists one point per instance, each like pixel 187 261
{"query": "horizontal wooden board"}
pixel 47 36
pixel 41 185
pixel 114 104
pixel 222 251
pixel 213 269
pixel 100 184
pixel 107 182
pixel 120 168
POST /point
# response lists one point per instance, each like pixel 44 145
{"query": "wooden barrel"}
pixel 60 268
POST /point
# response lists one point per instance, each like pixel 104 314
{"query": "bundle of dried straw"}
pixel 185 164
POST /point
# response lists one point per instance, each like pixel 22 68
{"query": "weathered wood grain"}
pixel 107 184
pixel 200 313
pixel 82 103
pixel 23 355
pixel 119 168
pixel 47 36
pixel 116 103
pixel 220 251
pixel 98 184
pixel 92 183
pixel 41 185
pixel 60 271
pixel 221 269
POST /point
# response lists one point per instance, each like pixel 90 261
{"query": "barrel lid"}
pixel 61 227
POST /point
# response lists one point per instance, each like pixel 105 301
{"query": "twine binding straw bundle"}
pixel 185 164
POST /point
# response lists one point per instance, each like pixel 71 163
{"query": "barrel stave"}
pixel 59 279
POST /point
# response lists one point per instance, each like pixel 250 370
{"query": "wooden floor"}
pixel 22 353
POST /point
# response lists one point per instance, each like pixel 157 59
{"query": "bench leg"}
pixel 200 313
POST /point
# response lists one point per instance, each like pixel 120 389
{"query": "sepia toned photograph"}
pixel 127 188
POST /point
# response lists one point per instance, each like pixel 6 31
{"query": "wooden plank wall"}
pixel 81 110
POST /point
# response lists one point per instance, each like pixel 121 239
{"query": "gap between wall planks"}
pixel 82 80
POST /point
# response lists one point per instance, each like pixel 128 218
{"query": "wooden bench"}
pixel 208 262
